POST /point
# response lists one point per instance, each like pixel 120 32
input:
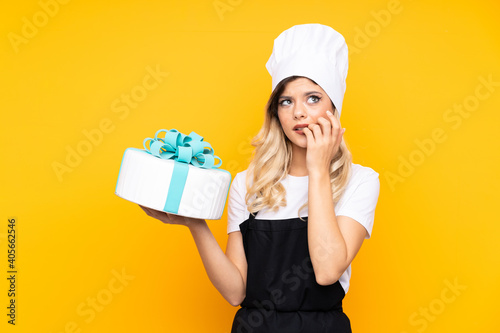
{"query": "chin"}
pixel 300 144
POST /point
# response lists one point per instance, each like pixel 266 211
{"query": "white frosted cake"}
pixel 169 185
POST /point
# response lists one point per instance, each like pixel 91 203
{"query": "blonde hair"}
pixel 272 157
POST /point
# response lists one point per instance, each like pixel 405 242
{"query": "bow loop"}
pixel 190 149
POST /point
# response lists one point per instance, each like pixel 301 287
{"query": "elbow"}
pixel 235 300
pixel 326 279
pixel 234 303
pixel 328 275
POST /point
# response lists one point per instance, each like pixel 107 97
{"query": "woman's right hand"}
pixel 169 217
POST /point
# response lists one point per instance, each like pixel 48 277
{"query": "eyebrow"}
pixel 305 94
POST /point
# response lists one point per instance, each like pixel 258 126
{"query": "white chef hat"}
pixel 315 51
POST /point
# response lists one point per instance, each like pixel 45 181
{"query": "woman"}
pixel 289 267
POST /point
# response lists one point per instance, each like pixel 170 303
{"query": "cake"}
pixel 175 174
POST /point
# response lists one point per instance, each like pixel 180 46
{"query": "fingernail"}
pixel 329 112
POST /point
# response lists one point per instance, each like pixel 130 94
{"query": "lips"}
pixel 299 127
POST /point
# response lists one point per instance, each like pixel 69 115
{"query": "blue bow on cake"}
pixel 184 148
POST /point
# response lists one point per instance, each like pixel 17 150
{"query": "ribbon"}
pixel 189 149
pixel 185 150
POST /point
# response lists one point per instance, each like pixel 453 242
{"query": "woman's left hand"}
pixel 323 141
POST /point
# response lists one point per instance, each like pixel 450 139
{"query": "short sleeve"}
pixel 361 200
pixel 237 211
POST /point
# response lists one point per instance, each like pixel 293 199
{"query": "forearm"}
pixel 221 271
pixel 327 246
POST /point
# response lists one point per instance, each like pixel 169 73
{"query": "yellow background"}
pixel 436 224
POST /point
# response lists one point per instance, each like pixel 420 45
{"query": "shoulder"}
pixel 362 175
pixel 238 189
pixel 362 188
pixel 241 174
pixel 359 172
pixel 239 181
pixel 237 210
pixel 360 197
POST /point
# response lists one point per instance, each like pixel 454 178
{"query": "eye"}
pixel 314 99
pixel 282 102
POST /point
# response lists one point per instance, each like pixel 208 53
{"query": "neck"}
pixel 298 165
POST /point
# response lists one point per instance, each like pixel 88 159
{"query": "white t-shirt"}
pixel 358 202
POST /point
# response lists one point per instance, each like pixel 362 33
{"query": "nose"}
pixel 299 111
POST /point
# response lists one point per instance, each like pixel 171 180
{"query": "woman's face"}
pixel 301 103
